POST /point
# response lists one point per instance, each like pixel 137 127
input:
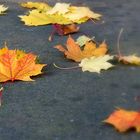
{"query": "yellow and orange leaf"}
pixel 75 53
pixel 124 120
pixel 18 65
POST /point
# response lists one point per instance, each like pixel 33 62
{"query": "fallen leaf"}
pixel 37 5
pixel 131 59
pixel 96 64
pixel 60 8
pixel 75 52
pixel 124 120
pixel 35 18
pixel 18 65
pixel 82 40
pixel 3 9
pixel 78 13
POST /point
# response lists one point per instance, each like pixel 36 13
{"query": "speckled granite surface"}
pixel 70 105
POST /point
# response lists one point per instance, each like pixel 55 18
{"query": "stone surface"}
pixel 70 104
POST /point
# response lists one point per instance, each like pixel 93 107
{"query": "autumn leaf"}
pixel 82 40
pixel 96 64
pixel 37 5
pixel 18 65
pixel 3 9
pixel 124 120
pixel 74 51
pixel 60 8
pixel 35 18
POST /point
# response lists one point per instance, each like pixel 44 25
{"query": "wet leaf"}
pixel 3 9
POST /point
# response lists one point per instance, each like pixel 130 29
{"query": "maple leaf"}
pixel 75 53
pixel 96 64
pixel 18 65
pixel 124 120
pixel 78 13
pixel 37 5
pixel 2 9
pixel 36 18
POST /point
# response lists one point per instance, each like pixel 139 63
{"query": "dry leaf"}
pixel 60 8
pixel 18 65
pixel 75 53
pixel 3 9
pixel 131 59
pixel 82 40
pixel 37 5
pixel 124 120
pixel 35 18
pixel 96 64
pixel 78 13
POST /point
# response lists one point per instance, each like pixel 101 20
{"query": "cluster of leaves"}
pixel 61 13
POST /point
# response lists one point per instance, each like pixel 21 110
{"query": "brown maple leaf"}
pixel 74 51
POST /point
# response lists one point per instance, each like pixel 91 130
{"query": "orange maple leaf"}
pixel 18 65
pixel 75 53
pixel 123 120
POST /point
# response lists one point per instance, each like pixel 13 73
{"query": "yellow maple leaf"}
pixel 2 9
pixel 36 18
pixel 37 5
pixel 18 65
pixel 123 120
pixel 96 64
pixel 75 53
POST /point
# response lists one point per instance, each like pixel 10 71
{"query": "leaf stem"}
pixel 64 68
pixel 118 42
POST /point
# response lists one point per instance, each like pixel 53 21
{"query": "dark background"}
pixel 71 104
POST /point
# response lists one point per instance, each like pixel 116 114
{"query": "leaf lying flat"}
pixel 78 13
pixel 60 8
pixel 124 120
pixel 3 9
pixel 36 18
pixel 96 64
pixel 18 65
pixel 37 5
pixel 75 53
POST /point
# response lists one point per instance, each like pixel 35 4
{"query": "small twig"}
pixel 62 68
